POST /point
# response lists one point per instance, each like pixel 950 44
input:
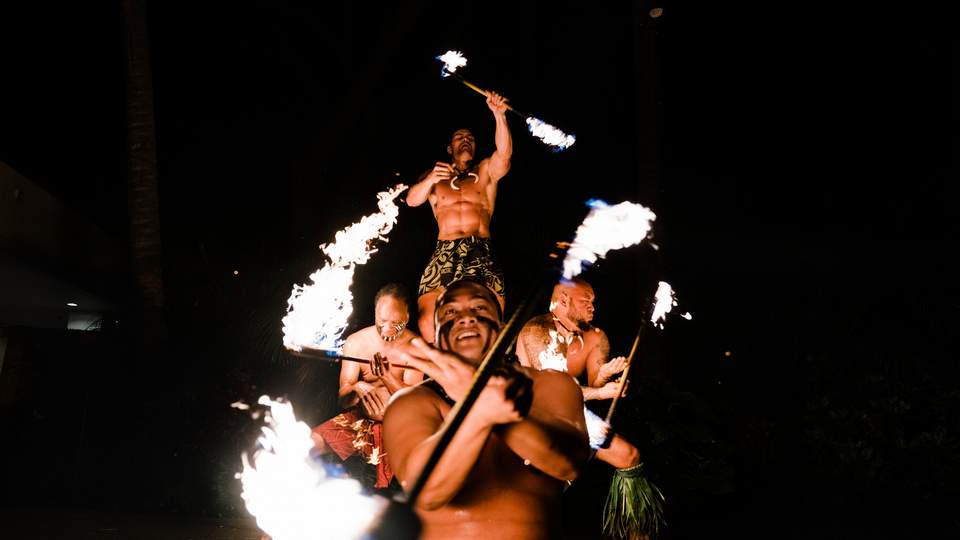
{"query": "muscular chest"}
pixel 467 191
pixel 367 376
pixel 576 358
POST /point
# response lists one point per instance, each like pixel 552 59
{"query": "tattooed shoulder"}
pixel 603 344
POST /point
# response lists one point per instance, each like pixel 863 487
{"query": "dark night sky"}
pixel 802 156
pixel 806 197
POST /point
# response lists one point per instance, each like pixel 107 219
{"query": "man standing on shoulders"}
pixel 462 194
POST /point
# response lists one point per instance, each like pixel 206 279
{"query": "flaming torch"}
pixel 317 313
pixel 550 135
pixel 291 495
pixel 664 301
pixel 605 228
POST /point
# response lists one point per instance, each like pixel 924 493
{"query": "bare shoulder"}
pixel 555 393
pixel 537 325
pixel 362 335
pixel 596 337
pixel 483 170
pixel 555 380
pixel 352 344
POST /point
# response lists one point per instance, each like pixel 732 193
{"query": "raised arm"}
pixel 553 437
pixel 499 163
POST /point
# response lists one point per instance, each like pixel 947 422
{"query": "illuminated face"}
pixel 579 304
pixel 468 320
pixel 462 144
pixel 390 317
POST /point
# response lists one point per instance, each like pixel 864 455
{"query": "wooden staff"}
pixel 335 358
pixel 626 373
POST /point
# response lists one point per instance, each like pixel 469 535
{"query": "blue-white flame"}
pixel 550 134
pixel 452 60
pixel 606 228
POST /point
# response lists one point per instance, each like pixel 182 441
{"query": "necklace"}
pixel 461 175
pixel 571 334
pixel 398 328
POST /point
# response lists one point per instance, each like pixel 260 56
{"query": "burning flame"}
pixel 666 299
pixel 291 496
pixel 317 313
pixel 550 135
pixel 551 357
pixel 606 227
pixel 452 60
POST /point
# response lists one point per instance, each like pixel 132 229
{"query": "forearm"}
pixel 500 160
pixel 502 138
pixel 591 393
pixel 557 448
pixel 348 396
pixel 454 466
pixel 419 192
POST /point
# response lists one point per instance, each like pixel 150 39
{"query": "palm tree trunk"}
pixel 143 196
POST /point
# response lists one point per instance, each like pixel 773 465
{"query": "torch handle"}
pixel 626 372
pixel 333 358
pixel 484 93
pixel 644 321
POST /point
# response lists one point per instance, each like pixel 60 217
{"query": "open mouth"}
pixel 467 335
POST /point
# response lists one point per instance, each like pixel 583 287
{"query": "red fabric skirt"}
pixel 348 433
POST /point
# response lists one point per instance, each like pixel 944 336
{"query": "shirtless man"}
pixel 366 389
pixel 503 473
pixel 462 195
pixel 564 340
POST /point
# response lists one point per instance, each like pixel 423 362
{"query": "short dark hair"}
pixel 392 289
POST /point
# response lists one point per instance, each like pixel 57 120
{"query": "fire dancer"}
pixel 462 195
pixel 563 339
pixel 365 391
pixel 504 471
